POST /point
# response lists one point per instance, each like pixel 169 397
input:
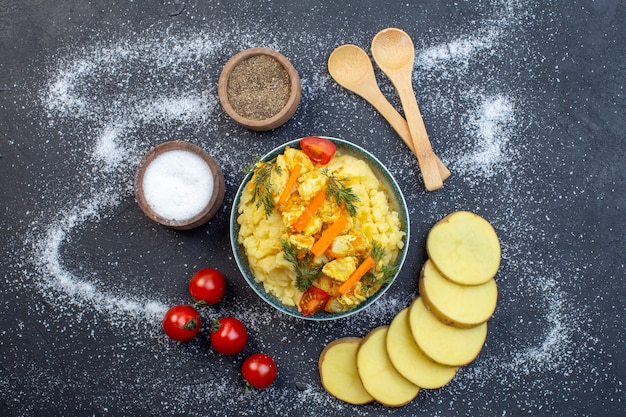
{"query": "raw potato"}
pixel 378 375
pixel 457 305
pixel 444 344
pixel 338 372
pixel 443 329
pixel 410 361
pixel 465 248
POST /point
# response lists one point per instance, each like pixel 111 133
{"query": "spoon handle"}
pixel 423 150
pixel 399 124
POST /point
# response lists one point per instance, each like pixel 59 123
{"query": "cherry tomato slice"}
pixel 207 285
pixel 228 336
pixel 319 150
pixel 313 300
pixel 181 323
pixel 259 370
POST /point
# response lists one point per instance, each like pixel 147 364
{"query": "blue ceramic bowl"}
pixel 397 198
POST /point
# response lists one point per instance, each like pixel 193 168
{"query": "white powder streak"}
pixel 491 128
pixel 550 353
pixel 458 52
pixel 107 149
pixel 56 277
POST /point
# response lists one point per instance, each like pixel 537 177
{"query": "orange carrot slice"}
pixel 291 181
pixel 309 212
pixel 358 273
pixel 329 234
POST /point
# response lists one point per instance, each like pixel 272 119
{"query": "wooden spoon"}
pixel 351 67
pixel 394 53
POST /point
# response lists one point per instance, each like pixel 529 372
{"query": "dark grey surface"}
pixel 524 102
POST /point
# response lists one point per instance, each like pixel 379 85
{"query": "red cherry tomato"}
pixel 228 336
pixel 181 323
pixel 259 370
pixel 207 285
pixel 319 150
pixel 313 300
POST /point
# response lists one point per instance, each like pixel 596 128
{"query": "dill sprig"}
pixel 342 194
pixel 303 263
pixel 262 190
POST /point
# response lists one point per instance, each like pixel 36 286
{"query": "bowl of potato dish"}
pixel 319 228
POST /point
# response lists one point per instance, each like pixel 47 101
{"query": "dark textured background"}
pixel 80 332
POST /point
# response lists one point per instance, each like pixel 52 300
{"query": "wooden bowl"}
pixel 278 118
pixel 180 174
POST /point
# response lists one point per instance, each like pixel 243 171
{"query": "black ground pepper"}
pixel 258 87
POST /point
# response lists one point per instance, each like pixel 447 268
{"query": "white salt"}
pixel 178 185
pixel 492 130
pixel 458 52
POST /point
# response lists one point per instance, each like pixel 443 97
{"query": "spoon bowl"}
pixel 350 66
pixel 394 48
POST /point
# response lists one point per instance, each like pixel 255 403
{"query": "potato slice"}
pixel 465 248
pixel 457 305
pixel 444 344
pixel 337 367
pixel 378 375
pixel 409 360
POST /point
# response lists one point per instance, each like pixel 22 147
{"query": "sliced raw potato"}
pixel 338 372
pixel 444 344
pixel 454 304
pixel 409 360
pixel 378 375
pixel 465 248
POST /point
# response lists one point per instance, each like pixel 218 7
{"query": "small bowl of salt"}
pixel 179 185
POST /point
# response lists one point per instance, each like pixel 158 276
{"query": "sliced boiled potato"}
pixel 338 372
pixel 380 378
pixel 465 248
pixel 409 360
pixel 444 344
pixel 454 304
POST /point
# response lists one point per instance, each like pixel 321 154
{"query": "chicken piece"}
pixel 310 183
pixel 300 241
pixel 329 212
pixel 294 156
pixel 361 243
pixel 334 306
pixel 346 302
pixel 313 227
pixel 341 269
pixel 328 285
pixel 290 212
pixel 342 246
pixel 354 297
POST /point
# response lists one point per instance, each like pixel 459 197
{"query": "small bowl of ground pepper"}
pixel 259 88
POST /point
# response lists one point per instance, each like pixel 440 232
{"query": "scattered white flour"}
pixel 107 149
pixel 491 127
pixel 177 185
pixel 54 274
pixel 457 53
pixel 158 89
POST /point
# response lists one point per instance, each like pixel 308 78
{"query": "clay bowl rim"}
pixel 216 197
pixel 279 118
